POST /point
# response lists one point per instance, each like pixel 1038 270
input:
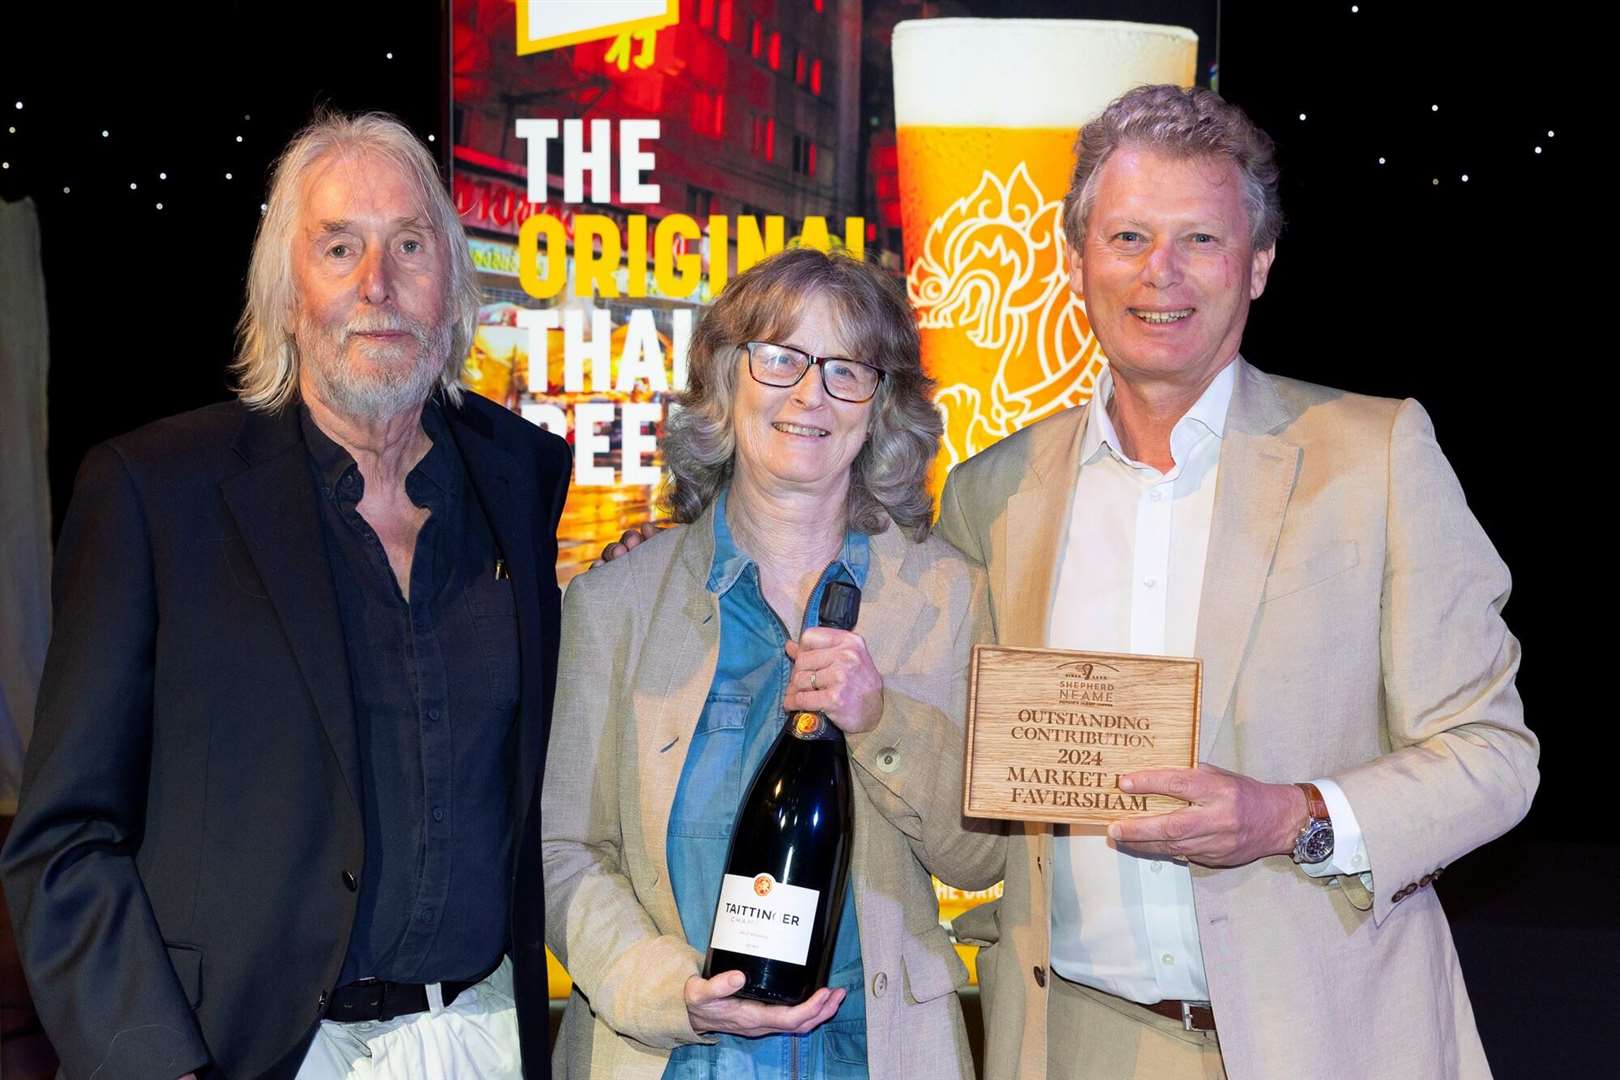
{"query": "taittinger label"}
pixel 762 917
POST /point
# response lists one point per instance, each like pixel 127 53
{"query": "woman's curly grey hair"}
pixel 266 364
pixel 1182 123
pixel 889 477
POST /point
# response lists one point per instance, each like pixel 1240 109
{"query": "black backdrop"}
pixel 1463 295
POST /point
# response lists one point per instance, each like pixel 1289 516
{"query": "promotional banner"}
pixel 615 162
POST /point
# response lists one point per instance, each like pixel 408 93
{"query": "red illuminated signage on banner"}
pixel 622 53
pixel 491 204
pixel 494 204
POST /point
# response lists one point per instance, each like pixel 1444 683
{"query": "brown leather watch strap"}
pixel 1315 805
pixel 1193 1015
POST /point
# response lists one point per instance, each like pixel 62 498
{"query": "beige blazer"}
pixel 1350 627
pixel 640 643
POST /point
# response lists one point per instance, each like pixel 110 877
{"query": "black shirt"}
pixel 435 681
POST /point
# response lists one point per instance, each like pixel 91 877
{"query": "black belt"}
pixel 378 999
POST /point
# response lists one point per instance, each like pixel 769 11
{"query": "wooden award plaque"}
pixel 1049 732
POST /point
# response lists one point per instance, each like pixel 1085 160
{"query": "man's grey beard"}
pixel 396 390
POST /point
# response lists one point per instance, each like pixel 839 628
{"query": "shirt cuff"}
pixel 1349 847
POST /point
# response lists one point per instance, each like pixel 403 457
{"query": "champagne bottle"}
pixel 788 865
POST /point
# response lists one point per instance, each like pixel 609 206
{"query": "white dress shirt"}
pixel 1129 580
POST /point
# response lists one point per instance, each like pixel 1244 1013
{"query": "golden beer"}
pixel 987 112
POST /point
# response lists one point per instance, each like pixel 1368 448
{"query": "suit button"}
pixel 880 983
pixel 1040 976
pixel 349 882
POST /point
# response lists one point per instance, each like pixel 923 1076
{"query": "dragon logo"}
pixel 993 268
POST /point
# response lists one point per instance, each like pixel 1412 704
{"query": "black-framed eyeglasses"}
pixel 782 365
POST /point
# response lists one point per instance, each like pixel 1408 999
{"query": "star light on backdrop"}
pixel 1378 242
pixel 45 165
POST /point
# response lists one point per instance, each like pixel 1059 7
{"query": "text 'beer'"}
pixel 783 890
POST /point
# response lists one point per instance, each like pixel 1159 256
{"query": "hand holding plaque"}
pixel 1230 819
pixel 1050 732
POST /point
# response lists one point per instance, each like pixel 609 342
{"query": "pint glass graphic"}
pixel 987 111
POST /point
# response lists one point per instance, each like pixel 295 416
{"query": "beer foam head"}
pixel 1052 73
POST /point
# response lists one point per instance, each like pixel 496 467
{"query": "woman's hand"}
pixel 833 674
pixel 712 1008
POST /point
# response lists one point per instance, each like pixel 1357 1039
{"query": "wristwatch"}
pixel 1315 841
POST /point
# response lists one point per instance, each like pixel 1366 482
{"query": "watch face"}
pixel 1317 844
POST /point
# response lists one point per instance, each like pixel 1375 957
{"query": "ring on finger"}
pixel 812 680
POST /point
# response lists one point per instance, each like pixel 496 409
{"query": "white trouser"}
pixel 475 1037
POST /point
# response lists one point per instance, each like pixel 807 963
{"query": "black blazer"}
pixel 179 870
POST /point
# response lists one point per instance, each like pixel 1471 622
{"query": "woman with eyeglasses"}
pixel 799 456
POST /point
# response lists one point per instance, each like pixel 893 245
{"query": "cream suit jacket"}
pixel 1350 627
pixel 640 643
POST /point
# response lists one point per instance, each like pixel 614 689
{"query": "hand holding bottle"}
pixel 833 674
pixel 712 1006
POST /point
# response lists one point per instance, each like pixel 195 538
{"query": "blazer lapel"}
pixel 507 495
pixel 1036 522
pixel 273 504
pixel 890 602
pixel 679 655
pixel 1256 480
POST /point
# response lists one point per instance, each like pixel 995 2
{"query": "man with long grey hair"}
pixel 1360 726
pixel 279 817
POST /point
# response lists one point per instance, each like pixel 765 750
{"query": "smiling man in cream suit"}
pixel 1360 727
